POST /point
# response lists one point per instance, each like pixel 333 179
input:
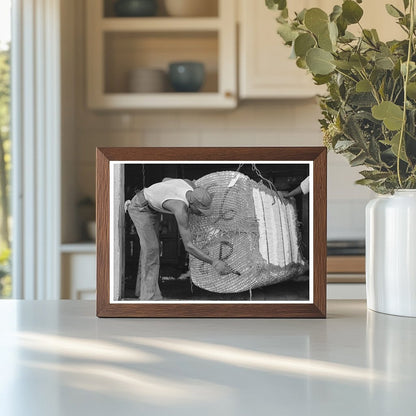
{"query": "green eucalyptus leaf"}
pixel 411 90
pixel 363 86
pixel 358 160
pixel 405 21
pixel 303 43
pixel 301 15
pixel 285 13
pixel 325 42
pixel 353 130
pixel 287 33
pixel 411 124
pixel 334 91
pixel 382 89
pixel 281 19
pixel 385 50
pixel 333 32
pixel 347 37
pixel 374 174
pixel 412 67
pixel 276 4
pixel 388 112
pixel 394 143
pixel 316 20
pixel 358 61
pixel 321 79
pixel 301 63
pixel 336 12
pixel 343 145
pixel 384 62
pixel 365 182
pixel 282 4
pixel 320 61
pixel 406 4
pixel 351 11
pixel 393 11
pixel 375 35
pixel 342 25
pixel 344 65
pixel 374 150
pixel 361 100
pixel 368 36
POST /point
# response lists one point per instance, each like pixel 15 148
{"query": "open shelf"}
pixel 127 51
pixel 116 46
pixel 160 24
pixel 87 247
pixel 167 100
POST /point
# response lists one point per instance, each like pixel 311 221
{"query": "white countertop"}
pixel 57 358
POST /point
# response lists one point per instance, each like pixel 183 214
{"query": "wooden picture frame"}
pixel 113 160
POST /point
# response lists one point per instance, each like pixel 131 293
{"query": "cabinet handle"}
pixel 229 94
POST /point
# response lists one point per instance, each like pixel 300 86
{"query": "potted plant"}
pixel 368 116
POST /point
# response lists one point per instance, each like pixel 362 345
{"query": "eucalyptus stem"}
pixel 373 88
pixel 406 79
pixel 346 75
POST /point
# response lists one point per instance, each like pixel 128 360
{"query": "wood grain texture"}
pixel 319 231
pixel 317 309
pixel 103 228
pixel 346 264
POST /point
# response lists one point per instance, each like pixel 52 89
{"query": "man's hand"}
pixel 222 267
pixel 126 205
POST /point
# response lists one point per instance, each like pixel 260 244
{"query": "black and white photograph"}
pixel 224 231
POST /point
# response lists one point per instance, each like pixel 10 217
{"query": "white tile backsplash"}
pixel 346 219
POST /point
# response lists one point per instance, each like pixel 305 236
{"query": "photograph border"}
pixel 315 309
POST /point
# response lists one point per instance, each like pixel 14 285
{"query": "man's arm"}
pixel 179 210
pixel 182 219
pixel 295 192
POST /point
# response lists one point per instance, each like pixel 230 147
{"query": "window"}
pixel 5 147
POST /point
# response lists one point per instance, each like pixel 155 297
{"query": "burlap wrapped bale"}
pixel 251 229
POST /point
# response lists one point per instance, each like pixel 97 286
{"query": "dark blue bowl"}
pixel 186 76
pixel 135 8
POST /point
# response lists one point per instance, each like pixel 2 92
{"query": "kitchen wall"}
pixel 253 123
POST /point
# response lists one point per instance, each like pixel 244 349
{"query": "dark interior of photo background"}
pixel 174 279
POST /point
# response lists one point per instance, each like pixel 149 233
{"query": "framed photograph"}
pixel 211 232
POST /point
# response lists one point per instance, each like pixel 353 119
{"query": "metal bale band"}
pixel 251 229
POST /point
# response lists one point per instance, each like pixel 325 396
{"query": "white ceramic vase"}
pixel 391 253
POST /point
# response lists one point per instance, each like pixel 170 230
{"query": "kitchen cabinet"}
pixel 78 262
pixel 265 70
pixel 118 45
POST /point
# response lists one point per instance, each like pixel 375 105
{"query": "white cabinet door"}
pixel 78 276
pixel 265 68
pixel 376 17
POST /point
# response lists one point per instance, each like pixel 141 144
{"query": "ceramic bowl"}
pixel 147 80
pixel 135 8
pixel 186 76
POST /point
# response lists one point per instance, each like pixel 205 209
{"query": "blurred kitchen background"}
pixel 119 88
